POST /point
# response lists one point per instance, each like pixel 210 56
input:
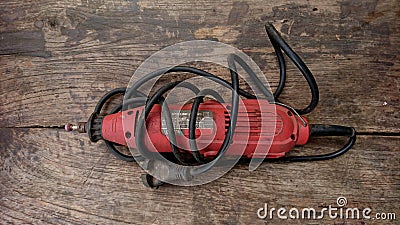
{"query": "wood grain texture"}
pixel 23 42
pixel 96 46
pixel 57 58
pixel 52 177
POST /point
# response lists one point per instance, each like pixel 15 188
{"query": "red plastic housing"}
pixel 262 130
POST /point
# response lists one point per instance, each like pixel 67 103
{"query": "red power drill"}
pixel 203 132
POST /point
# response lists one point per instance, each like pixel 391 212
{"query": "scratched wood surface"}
pixel 57 58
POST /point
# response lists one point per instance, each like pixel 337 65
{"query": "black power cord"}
pixel 135 98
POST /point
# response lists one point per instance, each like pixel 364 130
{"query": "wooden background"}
pixel 57 58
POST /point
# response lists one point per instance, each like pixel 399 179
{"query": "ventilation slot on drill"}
pixel 251 122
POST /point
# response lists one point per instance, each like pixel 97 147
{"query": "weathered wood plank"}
pixel 62 181
pixel 96 46
pixel 53 177
pixel 48 176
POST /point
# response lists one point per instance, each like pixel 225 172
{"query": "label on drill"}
pixel 180 121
